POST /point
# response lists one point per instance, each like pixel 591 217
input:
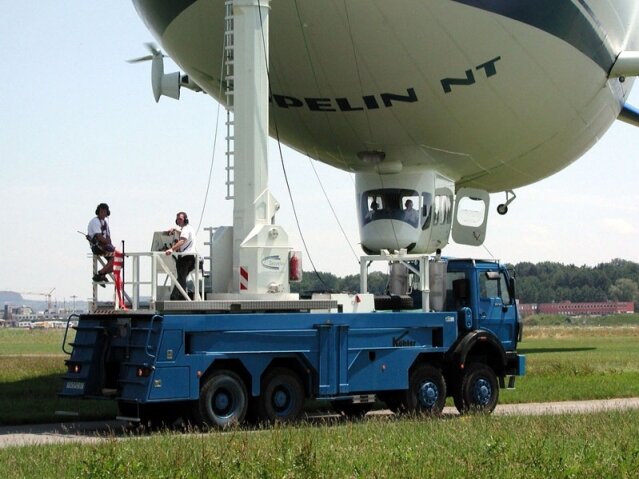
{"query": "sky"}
pixel 79 126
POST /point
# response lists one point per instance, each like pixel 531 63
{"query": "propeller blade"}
pixel 153 49
pixel 168 85
pixel 140 59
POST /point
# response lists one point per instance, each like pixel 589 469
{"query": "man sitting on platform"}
pixel 99 236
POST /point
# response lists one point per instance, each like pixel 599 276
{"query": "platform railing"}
pixel 417 264
pixel 150 271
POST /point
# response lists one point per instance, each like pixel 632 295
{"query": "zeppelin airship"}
pixel 429 102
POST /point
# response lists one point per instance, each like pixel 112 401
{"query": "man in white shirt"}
pixel 410 214
pixel 184 263
pixel 99 236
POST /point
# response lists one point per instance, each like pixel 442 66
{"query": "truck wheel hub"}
pixel 280 399
pixel 222 401
pixel 482 392
pixel 428 394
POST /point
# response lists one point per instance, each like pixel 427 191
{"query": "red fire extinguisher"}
pixel 295 266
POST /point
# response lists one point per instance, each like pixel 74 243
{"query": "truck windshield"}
pixel 493 284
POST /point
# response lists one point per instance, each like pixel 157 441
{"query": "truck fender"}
pixel 482 341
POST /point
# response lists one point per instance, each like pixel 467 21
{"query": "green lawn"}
pixel 31 341
pixel 571 363
pixel 602 445
pixel 31 365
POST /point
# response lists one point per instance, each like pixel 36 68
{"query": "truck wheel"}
pixel 426 391
pixel 393 400
pixel 282 398
pixel 151 416
pixel 351 410
pixel 478 390
pixel 223 401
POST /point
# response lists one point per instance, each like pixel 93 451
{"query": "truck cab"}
pixel 487 288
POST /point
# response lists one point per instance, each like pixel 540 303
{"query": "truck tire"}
pixel 426 393
pixel 223 401
pixel 151 416
pixel 478 391
pixel 282 397
pixel 393 400
pixel 351 410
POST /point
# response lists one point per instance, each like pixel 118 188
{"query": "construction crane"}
pixel 46 295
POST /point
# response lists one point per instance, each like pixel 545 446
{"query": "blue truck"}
pixel 224 364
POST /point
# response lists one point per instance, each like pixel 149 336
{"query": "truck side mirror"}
pixel 493 275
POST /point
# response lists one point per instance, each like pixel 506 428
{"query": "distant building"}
pixel 527 309
pixel 568 308
pixel 23 313
pixel 13 316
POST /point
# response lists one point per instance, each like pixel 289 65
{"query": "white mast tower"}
pixel 260 249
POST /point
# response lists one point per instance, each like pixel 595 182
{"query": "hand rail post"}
pixel 148 336
pixel 66 330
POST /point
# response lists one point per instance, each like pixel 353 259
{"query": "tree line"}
pixel 548 282
pixel 545 282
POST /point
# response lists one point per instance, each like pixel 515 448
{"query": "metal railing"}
pixel 417 264
pixel 150 270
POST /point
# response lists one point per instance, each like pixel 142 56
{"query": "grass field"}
pixel 31 365
pixel 564 363
pixel 602 445
pixel 578 362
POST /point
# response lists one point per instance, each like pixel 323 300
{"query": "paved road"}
pixel 101 430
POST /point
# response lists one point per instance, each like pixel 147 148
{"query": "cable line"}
pixel 281 155
pixel 310 160
pixel 217 124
